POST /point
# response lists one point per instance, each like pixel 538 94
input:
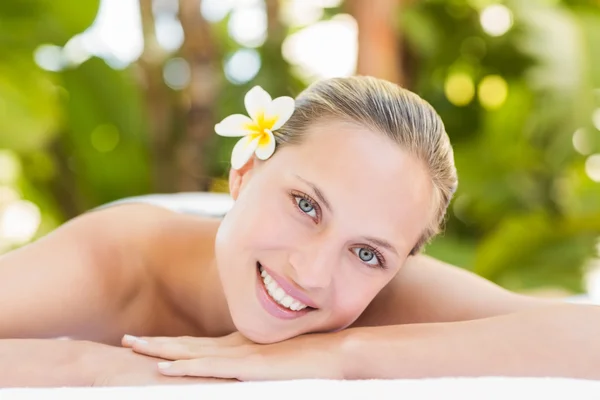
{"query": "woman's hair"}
pixel 385 107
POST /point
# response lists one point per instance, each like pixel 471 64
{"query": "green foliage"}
pixel 526 213
pixel 106 136
pixel 25 24
pixel 525 207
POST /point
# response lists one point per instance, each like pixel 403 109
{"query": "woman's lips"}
pixel 271 306
pixel 289 288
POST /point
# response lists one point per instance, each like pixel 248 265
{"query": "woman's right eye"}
pixel 306 206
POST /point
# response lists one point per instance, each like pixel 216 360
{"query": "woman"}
pixel 324 235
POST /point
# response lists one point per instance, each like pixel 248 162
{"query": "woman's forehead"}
pixel 364 175
pixel 357 159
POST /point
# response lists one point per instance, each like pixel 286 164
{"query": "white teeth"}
pixel 279 295
pixel 287 301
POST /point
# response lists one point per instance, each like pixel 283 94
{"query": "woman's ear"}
pixel 238 177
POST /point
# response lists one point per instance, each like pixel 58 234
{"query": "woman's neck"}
pixel 189 282
pixel 213 312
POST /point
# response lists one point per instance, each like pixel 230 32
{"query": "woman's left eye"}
pixel 368 256
pixel 306 206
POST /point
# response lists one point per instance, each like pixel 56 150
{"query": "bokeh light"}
pixel 297 13
pixel 10 167
pixel 105 138
pixel 49 57
pixel 496 20
pixel 242 66
pixel 248 25
pixel 116 34
pixel 169 32
pixel 493 91
pixel 596 118
pixel 581 141
pixel 19 222
pixel 326 49
pixel 177 73
pixel 215 10
pixel 459 89
pixel 592 167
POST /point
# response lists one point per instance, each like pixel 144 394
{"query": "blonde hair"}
pixel 396 112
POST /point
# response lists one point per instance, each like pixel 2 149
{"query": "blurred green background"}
pixel 101 100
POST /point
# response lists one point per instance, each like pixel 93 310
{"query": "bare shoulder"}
pixel 427 290
pixel 143 226
pixel 127 234
pixel 151 241
pixel 97 266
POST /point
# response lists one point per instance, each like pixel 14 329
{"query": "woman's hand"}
pixel 235 357
pixel 116 366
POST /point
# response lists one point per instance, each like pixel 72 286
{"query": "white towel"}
pixel 443 388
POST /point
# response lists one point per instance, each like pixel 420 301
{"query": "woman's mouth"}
pixel 278 294
pixel 274 298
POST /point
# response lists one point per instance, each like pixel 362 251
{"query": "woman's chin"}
pixel 262 334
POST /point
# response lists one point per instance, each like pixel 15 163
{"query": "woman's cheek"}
pixel 354 290
pixel 281 228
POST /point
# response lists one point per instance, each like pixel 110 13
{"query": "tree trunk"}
pixel 199 98
pixel 157 101
pixel 380 48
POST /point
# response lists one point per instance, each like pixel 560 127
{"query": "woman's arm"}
pixel 553 341
pixel 55 363
pixel 558 341
pixel 43 363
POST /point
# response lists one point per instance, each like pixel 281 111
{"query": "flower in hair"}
pixel 266 116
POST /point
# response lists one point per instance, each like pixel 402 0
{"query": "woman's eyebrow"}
pixel 381 243
pixel 318 193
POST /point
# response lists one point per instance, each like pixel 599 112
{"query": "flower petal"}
pixel 234 125
pixel 266 145
pixel 281 108
pixel 242 151
pixel 257 100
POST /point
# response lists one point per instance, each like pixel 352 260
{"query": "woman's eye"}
pixel 366 255
pixel 306 206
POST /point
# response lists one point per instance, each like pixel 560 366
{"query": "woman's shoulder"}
pixel 160 249
pixel 156 233
pixel 427 290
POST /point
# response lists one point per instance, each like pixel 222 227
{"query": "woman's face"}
pixel 329 221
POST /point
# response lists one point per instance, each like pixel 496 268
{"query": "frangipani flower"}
pixel 266 116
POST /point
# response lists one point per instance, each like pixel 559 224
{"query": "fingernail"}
pixel 130 339
pixel 164 365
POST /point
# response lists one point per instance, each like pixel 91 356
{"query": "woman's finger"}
pixel 175 349
pixel 245 368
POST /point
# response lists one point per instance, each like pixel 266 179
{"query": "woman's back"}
pixel 104 274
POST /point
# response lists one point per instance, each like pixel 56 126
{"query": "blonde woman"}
pixel 315 272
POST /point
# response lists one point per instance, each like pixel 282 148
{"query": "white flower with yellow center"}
pixel 266 116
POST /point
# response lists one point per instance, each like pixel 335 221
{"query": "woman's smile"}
pixel 279 298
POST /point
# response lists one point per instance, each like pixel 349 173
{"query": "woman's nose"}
pixel 315 266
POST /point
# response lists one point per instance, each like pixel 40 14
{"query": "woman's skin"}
pixel 308 214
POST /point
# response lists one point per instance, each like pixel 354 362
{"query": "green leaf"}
pixel 107 135
pixel 29 110
pixel 25 24
pixel 553 246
